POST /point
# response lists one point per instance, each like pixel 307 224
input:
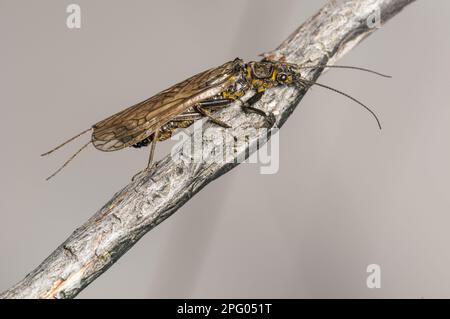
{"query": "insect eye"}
pixel 282 77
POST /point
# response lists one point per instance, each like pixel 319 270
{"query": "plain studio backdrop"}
pixel 346 195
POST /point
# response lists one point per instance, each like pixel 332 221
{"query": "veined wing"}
pixel 139 121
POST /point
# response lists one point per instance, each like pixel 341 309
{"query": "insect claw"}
pixel 136 175
pixel 146 171
pixel 271 120
pixel 226 125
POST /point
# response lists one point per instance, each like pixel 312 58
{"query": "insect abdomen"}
pixel 142 143
pixel 165 132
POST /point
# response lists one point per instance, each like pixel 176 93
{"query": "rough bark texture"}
pixel 147 201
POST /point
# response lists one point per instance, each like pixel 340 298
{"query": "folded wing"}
pixel 139 121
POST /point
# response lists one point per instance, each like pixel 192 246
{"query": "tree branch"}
pixel 144 203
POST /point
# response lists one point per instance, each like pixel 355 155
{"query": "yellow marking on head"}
pixel 289 79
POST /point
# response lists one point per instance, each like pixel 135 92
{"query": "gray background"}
pixel 346 195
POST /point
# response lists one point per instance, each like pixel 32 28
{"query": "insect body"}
pixel 201 95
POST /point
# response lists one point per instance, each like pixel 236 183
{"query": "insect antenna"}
pixel 66 142
pixel 345 67
pixel 69 160
pixel 310 83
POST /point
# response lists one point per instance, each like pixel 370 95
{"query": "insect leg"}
pixel 152 149
pixel 202 108
pixel 247 107
pixel 187 117
pixel 150 165
pixel 215 104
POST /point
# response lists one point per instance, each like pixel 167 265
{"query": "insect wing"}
pixel 139 121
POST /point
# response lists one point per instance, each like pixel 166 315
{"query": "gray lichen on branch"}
pixel 148 200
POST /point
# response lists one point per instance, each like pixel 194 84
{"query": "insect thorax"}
pixel 263 75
